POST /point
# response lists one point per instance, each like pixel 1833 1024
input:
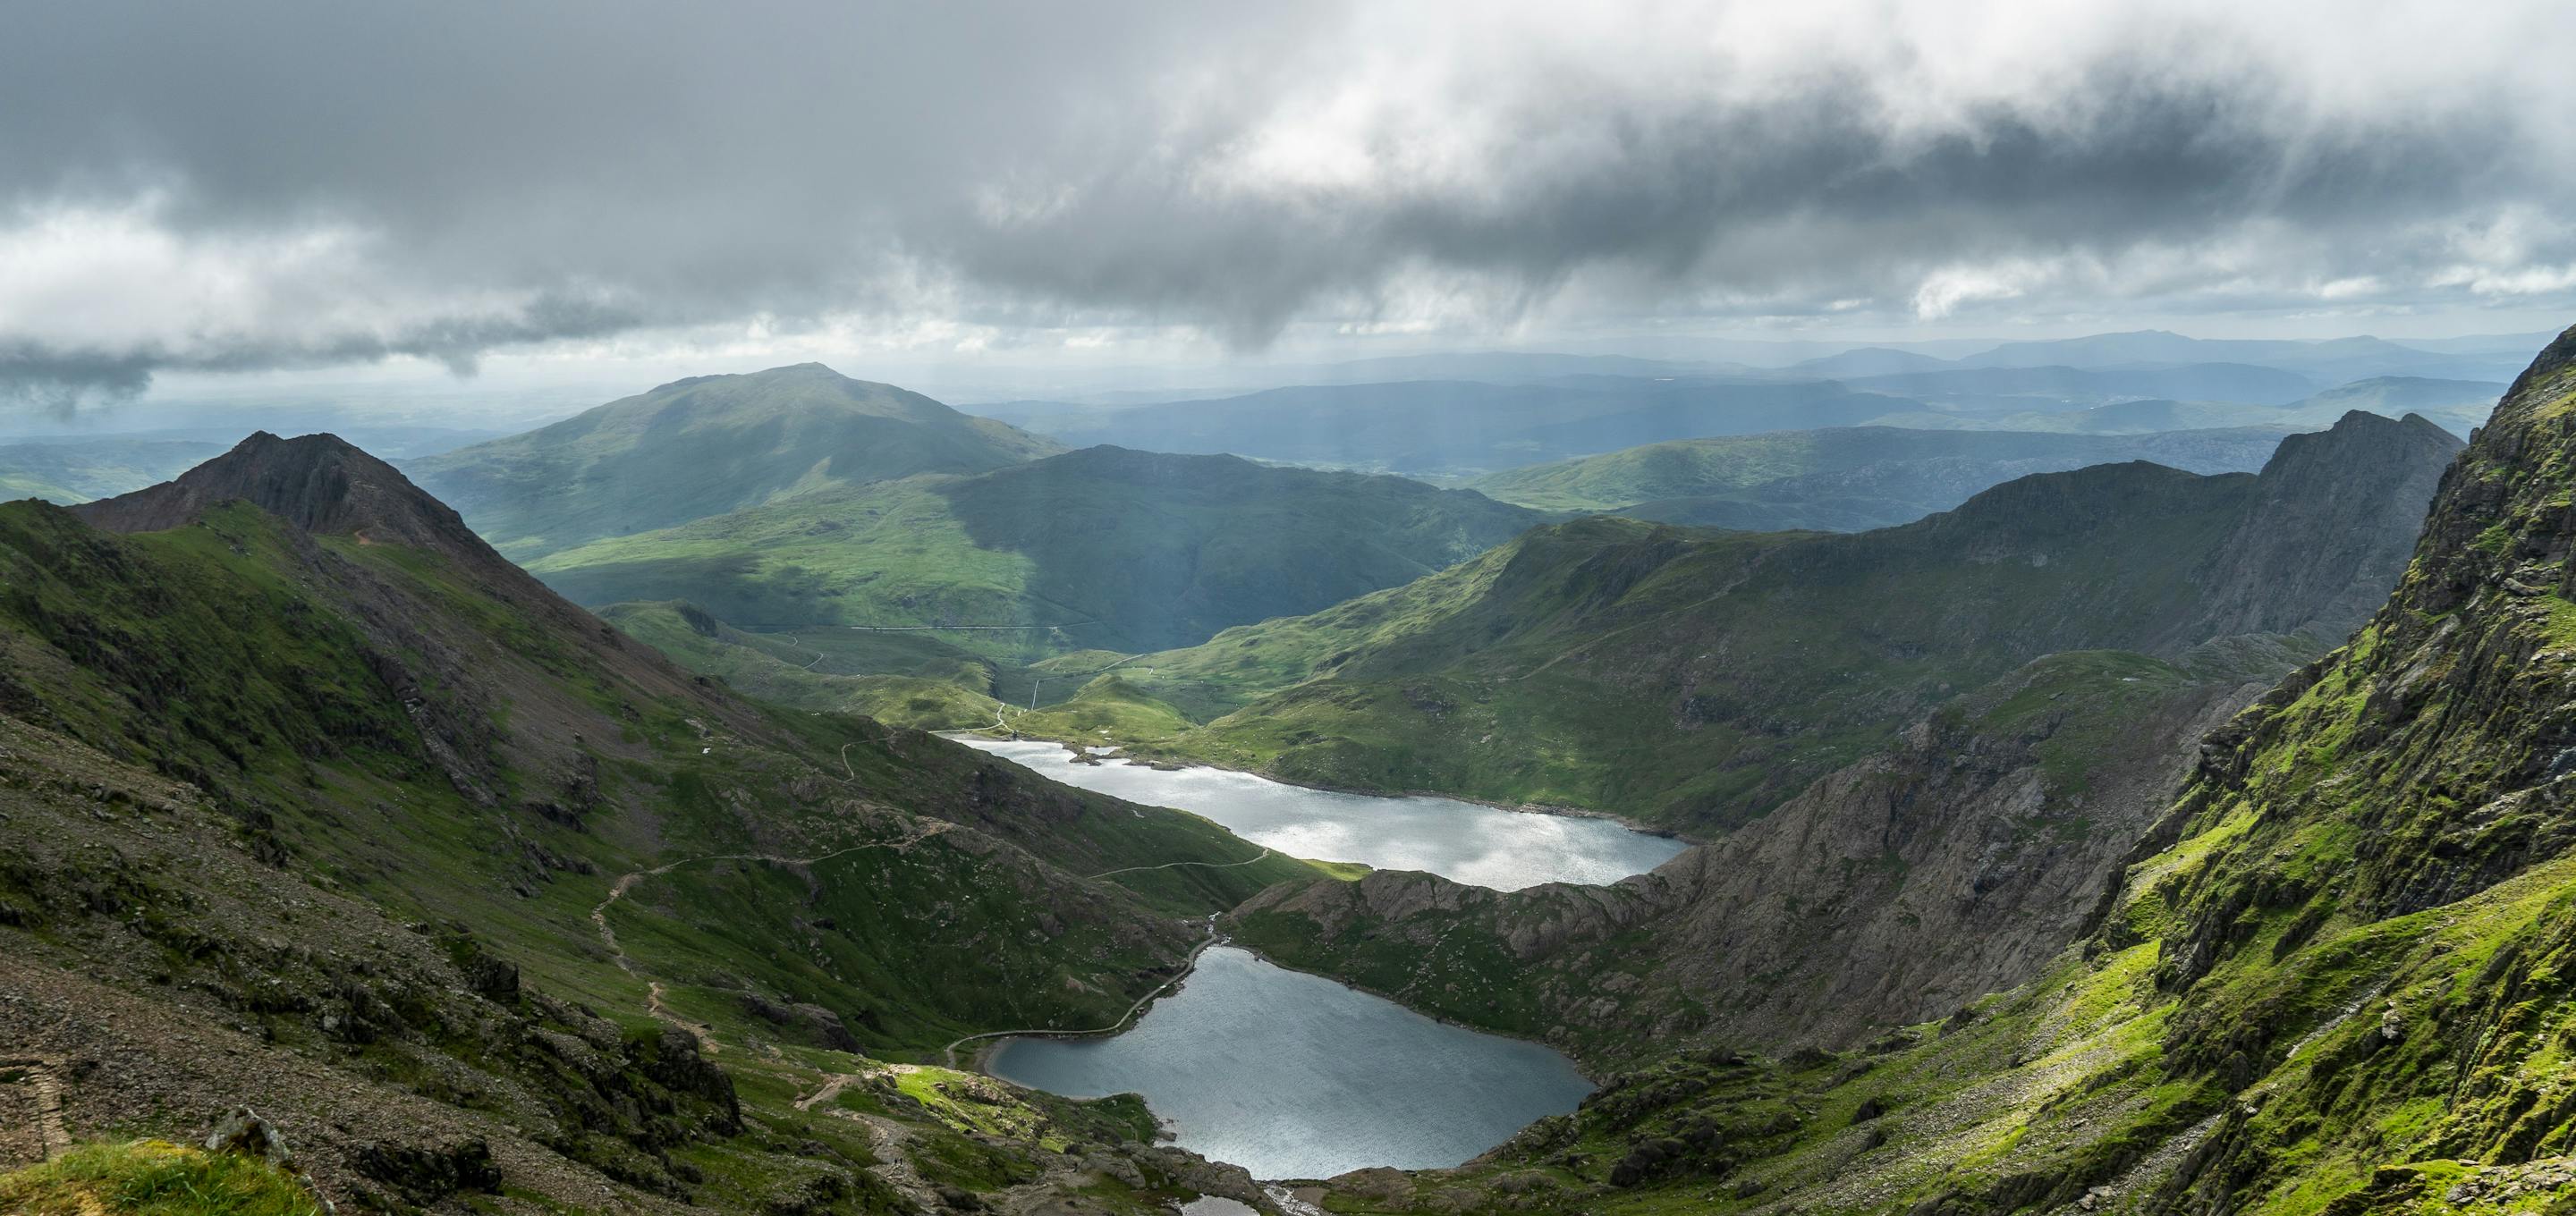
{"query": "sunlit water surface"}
pixel 1483 845
pixel 1295 1076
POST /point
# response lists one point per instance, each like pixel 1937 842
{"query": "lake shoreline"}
pixel 1581 1069
pixel 979 1061
pixel 1167 1078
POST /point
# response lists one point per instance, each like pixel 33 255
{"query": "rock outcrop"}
pixel 322 484
pixel 1895 890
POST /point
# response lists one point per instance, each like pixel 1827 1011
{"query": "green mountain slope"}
pixel 2333 980
pixel 1861 477
pixel 704 446
pixel 1698 678
pixel 905 679
pixel 1102 548
pixel 337 813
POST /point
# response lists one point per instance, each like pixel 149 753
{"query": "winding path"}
pixel 1213 865
pixel 819 656
pixel 653 1004
pixel 950 1051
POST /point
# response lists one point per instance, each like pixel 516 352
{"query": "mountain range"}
pixel 2325 978
pixel 1844 479
pixel 1695 679
pixel 704 446
pixel 1471 429
pixel 1101 548
pixel 1429 426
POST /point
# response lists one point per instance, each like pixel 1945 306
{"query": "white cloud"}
pixel 942 178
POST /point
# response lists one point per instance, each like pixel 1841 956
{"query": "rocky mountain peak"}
pixel 2331 514
pixel 322 484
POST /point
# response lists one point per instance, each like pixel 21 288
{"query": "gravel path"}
pixel 950 1051
pixel 653 990
pixel 1213 865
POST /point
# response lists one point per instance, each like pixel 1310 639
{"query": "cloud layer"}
pixel 272 184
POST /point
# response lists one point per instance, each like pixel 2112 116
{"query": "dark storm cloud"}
pixel 327 182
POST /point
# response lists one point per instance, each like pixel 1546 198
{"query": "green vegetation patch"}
pixel 154 1178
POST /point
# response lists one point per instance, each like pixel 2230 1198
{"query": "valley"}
pixel 833 836
pixel 1849 608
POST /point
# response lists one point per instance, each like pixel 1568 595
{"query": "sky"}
pixel 271 193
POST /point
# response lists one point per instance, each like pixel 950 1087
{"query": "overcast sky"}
pixel 248 186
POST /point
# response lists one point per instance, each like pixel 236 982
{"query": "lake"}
pixel 1294 1076
pixel 1484 845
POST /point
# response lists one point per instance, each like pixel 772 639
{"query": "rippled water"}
pixel 1484 845
pixel 1294 1076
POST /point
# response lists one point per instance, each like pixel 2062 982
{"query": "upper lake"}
pixel 1471 843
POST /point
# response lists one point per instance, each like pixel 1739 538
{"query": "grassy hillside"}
pixel 1101 548
pixel 544 891
pixel 902 679
pixel 1698 678
pixel 2333 980
pixel 704 446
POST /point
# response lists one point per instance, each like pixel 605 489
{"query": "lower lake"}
pixel 1294 1076
pixel 1471 843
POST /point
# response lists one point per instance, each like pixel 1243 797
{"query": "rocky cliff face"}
pixel 2314 547
pixel 320 483
pixel 1955 864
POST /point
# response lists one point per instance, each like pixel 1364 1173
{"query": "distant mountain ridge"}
pixel 1985 386
pixel 1698 678
pixel 1434 426
pixel 1844 478
pixel 2105 384
pixel 1101 547
pixel 703 446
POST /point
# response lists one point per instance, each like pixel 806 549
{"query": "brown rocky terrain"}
pixel 1898 889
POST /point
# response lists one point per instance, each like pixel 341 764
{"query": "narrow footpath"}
pixel 653 990
pixel 950 1051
